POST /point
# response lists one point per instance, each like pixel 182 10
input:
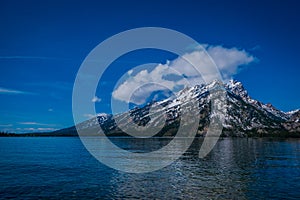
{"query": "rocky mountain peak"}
pixel 237 88
pixel 244 116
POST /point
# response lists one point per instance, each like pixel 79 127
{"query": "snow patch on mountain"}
pixel 243 115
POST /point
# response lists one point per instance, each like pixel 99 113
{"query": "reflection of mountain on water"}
pixel 235 168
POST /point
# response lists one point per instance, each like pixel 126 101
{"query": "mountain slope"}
pixel 244 116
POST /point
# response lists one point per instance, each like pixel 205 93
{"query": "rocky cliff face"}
pixel 244 116
pixel 292 125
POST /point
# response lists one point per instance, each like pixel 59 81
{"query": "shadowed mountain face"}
pixel 244 116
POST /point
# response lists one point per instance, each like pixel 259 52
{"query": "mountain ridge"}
pixel 244 116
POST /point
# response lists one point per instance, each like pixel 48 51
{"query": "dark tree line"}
pixel 5 134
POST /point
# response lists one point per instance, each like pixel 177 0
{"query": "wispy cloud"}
pixel 31 129
pixel 36 123
pixel 10 128
pixel 12 91
pixel 96 99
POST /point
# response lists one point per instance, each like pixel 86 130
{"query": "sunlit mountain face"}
pixel 244 115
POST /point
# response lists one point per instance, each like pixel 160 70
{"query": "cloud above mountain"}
pixel 229 60
pixel 203 64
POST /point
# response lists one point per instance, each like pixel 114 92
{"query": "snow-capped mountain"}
pixel 244 116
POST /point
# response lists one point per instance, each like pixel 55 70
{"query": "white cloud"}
pixel 137 88
pixel 46 129
pixel 96 99
pixel 28 123
pixel 31 129
pixel 11 91
pixel 50 110
pixel 36 123
pixel 27 129
pixel 228 60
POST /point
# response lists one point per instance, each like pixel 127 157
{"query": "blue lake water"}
pixel 61 168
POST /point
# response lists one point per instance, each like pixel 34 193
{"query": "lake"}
pixel 237 168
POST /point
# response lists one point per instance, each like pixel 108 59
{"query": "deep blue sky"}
pixel 43 43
